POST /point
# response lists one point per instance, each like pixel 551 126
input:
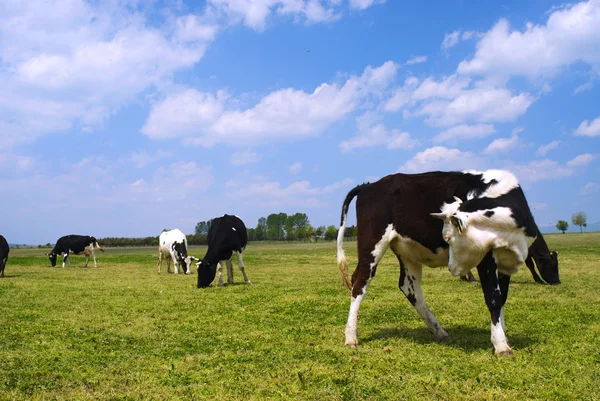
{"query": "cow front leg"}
pixel 229 272
pixel 220 271
pixel 410 284
pixel 87 259
pixel 495 291
pixel 531 266
pixel 94 257
pixel 241 267
pixel 65 256
pixel 159 260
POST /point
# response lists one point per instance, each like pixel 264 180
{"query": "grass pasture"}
pixel 121 331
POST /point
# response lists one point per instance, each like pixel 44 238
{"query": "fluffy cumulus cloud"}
pixel 364 4
pixel 244 157
pixel 464 132
pixel 589 189
pixel 581 160
pixel 442 158
pixel 571 34
pixel 546 169
pixel 457 100
pixel 504 144
pixel 295 168
pixel 544 149
pixel 587 128
pixel 298 193
pixel 416 60
pixel 453 38
pixel 372 134
pixel 207 119
pixel 71 64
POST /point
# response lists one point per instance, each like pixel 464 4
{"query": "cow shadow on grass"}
pixel 469 339
pixel 10 276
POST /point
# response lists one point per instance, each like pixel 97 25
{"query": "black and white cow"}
pixel 173 244
pixel 226 235
pixel 539 256
pixel 396 212
pixel 4 249
pixel 74 244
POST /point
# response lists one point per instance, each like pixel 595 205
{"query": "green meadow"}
pixel 122 331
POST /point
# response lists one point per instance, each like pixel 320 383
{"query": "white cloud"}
pixel 442 158
pixel 416 60
pixel 479 104
pixel 205 119
pixel 544 149
pixel 571 34
pixel 583 87
pixel 295 168
pixel 142 158
pixel 581 160
pixel 452 39
pixel 589 188
pixel 244 157
pixel 371 134
pixel 299 193
pixel 254 13
pixel 464 132
pixel 364 4
pixel 456 100
pixel 539 170
pixel 589 129
pixel 504 144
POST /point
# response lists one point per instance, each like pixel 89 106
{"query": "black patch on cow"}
pixel 545 260
pixel 489 213
pixel 514 200
pixel 4 250
pixel 402 275
pixel 222 242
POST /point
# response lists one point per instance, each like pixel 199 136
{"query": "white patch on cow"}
pixel 506 181
pixel 498 337
pixel 351 335
pixel 382 246
pixel 233 228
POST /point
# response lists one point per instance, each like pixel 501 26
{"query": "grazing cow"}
pixel 540 256
pixel 174 244
pixel 396 212
pixel 4 249
pixel 74 244
pixel 226 235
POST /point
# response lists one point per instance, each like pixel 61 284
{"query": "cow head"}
pixel 548 268
pixel 206 274
pixel 52 257
pixel 454 223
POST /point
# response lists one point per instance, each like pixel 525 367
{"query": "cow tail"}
pixel 341 256
pixel 98 246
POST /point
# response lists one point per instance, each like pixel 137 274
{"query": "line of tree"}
pixel 578 219
pixel 274 227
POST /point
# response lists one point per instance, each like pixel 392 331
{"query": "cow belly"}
pixel 413 250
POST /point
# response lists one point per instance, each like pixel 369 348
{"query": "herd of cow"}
pixel 462 220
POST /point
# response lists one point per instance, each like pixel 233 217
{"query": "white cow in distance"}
pixel 173 244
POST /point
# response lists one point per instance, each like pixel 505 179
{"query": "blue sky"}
pixel 121 118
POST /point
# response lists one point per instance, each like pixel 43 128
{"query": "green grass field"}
pixel 122 331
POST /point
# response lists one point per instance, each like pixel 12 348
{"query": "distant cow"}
pixel 4 249
pixel 174 245
pixel 226 235
pixel 541 257
pixel 74 244
pixel 396 212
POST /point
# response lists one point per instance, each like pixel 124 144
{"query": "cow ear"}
pixel 457 222
pixel 458 199
pixel 441 216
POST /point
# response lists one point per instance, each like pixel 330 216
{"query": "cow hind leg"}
pixel 410 284
pixel 159 259
pixel 241 267
pixel 87 259
pixel 495 291
pixel 220 272
pixel 368 259
pixel 94 257
pixel 229 272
